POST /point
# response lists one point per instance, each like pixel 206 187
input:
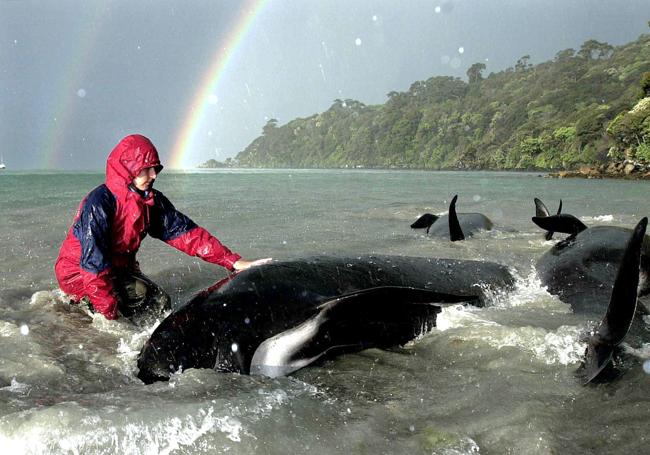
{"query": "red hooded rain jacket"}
pixel 112 221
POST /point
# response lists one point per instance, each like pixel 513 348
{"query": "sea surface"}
pixel 495 380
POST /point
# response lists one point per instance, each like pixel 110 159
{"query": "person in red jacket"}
pixel 97 260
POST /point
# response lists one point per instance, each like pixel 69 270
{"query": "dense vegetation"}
pixel 583 107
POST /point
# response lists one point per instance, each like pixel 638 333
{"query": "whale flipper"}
pixel 565 223
pixel 620 312
pixel 425 221
pixel 455 231
pixel 350 323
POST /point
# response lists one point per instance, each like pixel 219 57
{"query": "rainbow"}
pixel 185 139
pixel 51 149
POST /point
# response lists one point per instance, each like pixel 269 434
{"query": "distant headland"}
pixel 586 113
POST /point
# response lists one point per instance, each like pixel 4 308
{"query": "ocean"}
pixel 493 380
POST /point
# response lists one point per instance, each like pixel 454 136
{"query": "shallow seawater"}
pixel 492 380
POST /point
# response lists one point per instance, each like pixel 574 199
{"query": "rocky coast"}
pixel 627 169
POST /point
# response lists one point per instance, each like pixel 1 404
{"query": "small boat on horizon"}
pixel 2 162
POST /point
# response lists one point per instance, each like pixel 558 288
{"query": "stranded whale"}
pixel 599 271
pixel 455 226
pixel 580 269
pixel 279 317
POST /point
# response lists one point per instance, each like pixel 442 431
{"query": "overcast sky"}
pixel 77 75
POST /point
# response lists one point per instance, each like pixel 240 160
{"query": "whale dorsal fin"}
pixel 375 317
pixel 622 306
pixel 455 231
pixel 565 223
pixel 425 221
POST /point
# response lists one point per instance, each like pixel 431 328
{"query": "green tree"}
pixel 523 63
pixel 565 55
pixel 270 127
pixel 645 84
pixel 474 73
pixel 593 49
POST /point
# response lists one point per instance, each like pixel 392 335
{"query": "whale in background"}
pixel 279 317
pixel 454 226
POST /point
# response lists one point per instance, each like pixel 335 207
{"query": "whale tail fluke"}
pixel 565 223
pixel 425 221
pixel 540 209
pixel 349 323
pixel 455 231
pixel 620 313
pixel 542 212
pixel 549 234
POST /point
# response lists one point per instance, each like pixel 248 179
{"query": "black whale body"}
pixel 323 305
pixel 470 223
pixel 581 269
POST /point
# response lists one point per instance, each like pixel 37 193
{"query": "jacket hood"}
pixel 132 154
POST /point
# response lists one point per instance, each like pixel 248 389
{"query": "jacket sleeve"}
pixel 179 231
pixel 92 229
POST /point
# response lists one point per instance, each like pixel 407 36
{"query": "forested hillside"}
pixel 585 106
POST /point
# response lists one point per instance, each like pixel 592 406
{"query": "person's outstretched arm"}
pixel 179 231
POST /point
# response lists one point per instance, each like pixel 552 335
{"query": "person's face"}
pixel 145 179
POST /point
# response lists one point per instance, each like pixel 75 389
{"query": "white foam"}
pixel 561 346
pixel 72 428
pixel 17 387
pixel 598 218
pixel 459 316
pixel 528 291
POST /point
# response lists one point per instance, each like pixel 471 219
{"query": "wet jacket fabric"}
pixel 112 221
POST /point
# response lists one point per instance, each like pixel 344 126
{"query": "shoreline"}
pixel 621 170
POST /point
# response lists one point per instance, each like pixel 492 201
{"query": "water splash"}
pixel 528 291
pixel 561 346
pixel 598 218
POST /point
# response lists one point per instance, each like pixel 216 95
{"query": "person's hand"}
pixel 243 264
